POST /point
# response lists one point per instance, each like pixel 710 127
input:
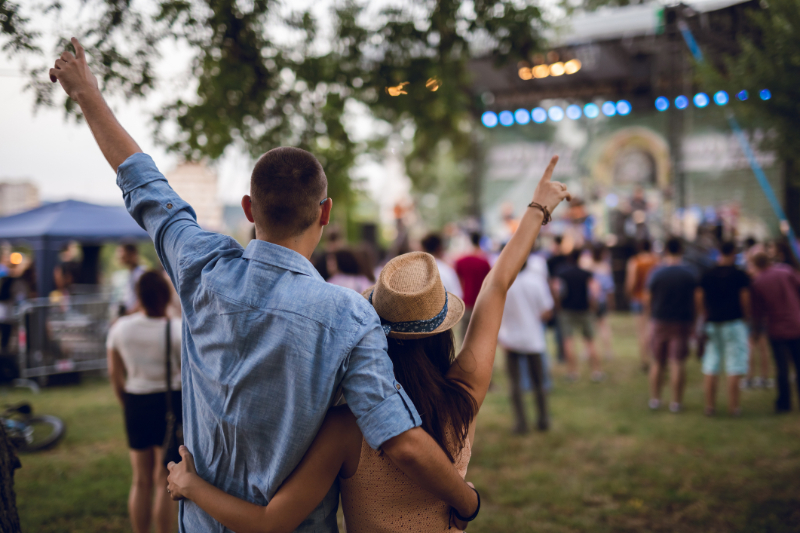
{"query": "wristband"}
pixel 544 209
pixel 474 515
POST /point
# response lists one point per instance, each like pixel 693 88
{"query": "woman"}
pixel 348 271
pixel 137 346
pixel 601 268
pixel 417 314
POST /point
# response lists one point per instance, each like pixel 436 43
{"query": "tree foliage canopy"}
pixel 407 63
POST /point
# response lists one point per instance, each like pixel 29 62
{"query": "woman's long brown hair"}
pixel 445 406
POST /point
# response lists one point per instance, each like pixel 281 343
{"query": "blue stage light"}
pixel 522 116
pixel 506 118
pixel 681 102
pixel 539 115
pixel 591 110
pixel 720 98
pixel 609 109
pixel 662 104
pixel 574 112
pixel 555 113
pixel 765 94
pixel 700 100
pixel 489 119
pixel 742 95
pixel 623 107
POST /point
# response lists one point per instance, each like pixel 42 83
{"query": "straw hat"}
pixel 411 300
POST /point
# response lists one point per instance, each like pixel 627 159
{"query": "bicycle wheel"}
pixel 43 432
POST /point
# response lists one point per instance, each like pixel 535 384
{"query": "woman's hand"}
pixel 550 193
pixel 182 476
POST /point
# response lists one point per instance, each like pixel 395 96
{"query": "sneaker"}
pixel 769 383
pixel 654 403
pixel 744 384
pixel 674 407
pixel 598 376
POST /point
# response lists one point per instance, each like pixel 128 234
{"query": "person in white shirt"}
pixel 137 361
pixel 528 305
pixel 433 244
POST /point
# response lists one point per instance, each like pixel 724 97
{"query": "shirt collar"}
pixel 281 257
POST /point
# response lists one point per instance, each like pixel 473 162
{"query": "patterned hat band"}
pixel 413 326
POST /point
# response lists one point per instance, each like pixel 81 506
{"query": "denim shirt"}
pixel 266 344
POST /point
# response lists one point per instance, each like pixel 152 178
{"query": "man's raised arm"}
pixel 80 84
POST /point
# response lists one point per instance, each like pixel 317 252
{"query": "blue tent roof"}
pixel 71 220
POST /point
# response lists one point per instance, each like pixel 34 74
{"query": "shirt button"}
pixel 398 386
pixel 169 206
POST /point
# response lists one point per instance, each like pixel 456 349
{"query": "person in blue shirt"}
pixel 266 343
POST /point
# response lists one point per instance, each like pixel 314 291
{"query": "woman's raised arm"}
pixel 336 449
pixel 473 366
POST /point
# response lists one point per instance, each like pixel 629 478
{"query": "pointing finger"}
pixel 80 53
pixel 548 173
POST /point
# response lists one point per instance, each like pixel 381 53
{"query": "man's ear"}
pixel 325 216
pixel 247 207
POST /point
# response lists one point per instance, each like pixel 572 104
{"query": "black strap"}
pixel 170 412
pixel 475 514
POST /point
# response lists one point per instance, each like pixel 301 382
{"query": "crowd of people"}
pixel 300 384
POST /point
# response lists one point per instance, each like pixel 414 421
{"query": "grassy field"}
pixel 607 465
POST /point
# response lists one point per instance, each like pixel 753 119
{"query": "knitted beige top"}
pixel 380 498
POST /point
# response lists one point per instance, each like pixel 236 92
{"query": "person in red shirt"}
pixel 776 302
pixel 472 269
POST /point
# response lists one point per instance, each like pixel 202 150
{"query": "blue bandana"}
pixel 413 326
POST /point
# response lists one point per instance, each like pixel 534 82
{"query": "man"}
pixel 669 303
pixel 577 293
pixel 129 257
pixel 636 275
pixel 724 298
pixel 528 303
pixel 555 262
pixel 776 301
pixel 266 342
pixel 433 244
pixel 472 269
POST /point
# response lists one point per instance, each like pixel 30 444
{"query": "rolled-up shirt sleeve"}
pixel 170 221
pixel 381 406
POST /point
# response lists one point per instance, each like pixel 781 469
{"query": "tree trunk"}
pixel 9 519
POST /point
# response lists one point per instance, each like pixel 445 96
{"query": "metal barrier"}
pixel 68 336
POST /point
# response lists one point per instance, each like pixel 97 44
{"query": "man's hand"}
pixel 550 193
pixel 181 475
pixel 73 73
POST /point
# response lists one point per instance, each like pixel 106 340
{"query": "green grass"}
pixel 607 465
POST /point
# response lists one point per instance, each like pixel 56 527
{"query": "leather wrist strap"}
pixel 474 515
pixel 544 209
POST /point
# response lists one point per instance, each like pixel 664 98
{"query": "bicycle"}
pixel 29 433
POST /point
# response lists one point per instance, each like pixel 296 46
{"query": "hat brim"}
pixel 455 310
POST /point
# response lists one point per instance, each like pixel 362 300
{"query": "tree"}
pixel 9 518
pixel 769 58
pixel 408 64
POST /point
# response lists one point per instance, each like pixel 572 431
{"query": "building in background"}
pixel 198 185
pixel 17 196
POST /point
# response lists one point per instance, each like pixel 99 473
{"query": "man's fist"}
pixel 550 193
pixel 73 73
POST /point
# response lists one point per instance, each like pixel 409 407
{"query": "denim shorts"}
pixel 728 340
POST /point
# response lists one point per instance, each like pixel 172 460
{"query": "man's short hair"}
pixel 130 248
pixel 432 243
pixel 475 237
pixel 286 187
pixel 761 260
pixel 575 255
pixel 674 246
pixel 558 239
pixel 728 248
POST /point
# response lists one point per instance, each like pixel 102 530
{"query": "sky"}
pixel 62 159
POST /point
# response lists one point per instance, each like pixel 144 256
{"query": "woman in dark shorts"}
pixel 137 348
